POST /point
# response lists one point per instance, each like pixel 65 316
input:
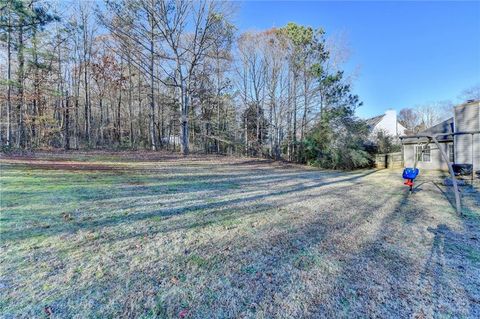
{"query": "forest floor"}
pixel 152 235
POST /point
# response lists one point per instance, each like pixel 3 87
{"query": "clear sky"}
pixel 408 53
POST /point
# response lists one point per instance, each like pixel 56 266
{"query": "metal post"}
pixel 454 180
pixel 473 170
pixel 445 157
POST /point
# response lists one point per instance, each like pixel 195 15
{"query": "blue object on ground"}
pixel 410 173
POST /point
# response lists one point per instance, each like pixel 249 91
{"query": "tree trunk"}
pixel 246 134
pixel 294 145
pixel 76 127
pixel 218 123
pixel 86 110
pixel 20 75
pixel 67 123
pixel 85 75
pixel 270 130
pixel 152 109
pixel 184 121
pixel 304 118
pixel 140 113
pixel 118 130
pixel 36 89
pixel 9 80
pixel 102 121
pixel 152 89
pixel 130 105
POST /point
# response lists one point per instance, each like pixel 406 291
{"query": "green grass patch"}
pixel 198 261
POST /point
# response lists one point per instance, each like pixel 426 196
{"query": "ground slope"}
pixel 144 235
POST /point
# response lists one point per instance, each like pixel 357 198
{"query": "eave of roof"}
pixel 440 128
pixel 421 140
pixel 374 120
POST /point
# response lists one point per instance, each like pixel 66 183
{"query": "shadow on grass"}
pixel 54 228
pixel 456 255
pixel 246 272
pixel 81 190
pixel 251 275
pixel 383 280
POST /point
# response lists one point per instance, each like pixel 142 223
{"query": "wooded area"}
pixel 174 75
pixel 167 75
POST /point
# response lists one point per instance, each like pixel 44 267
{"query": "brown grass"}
pixel 214 237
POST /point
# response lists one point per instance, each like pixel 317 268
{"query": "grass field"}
pixel 158 236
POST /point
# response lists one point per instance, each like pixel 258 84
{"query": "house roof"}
pixel 373 121
pixel 442 127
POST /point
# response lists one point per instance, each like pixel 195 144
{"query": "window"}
pixel 422 157
pixel 451 153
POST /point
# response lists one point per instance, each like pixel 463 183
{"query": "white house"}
pixel 387 123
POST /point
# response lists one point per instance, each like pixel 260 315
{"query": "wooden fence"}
pixel 391 160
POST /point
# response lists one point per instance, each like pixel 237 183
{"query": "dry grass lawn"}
pixel 157 236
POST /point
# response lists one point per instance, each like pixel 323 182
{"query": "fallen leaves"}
pixel 183 313
pixel 48 310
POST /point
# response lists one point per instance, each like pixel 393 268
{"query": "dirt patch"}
pixel 33 163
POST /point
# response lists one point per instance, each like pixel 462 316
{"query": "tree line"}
pixel 174 75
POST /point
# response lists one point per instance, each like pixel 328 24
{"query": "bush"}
pixel 385 143
pixel 337 142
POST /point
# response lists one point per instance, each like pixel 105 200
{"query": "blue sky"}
pixel 408 53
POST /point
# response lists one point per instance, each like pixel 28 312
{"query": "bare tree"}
pixel 472 93
pixel 9 73
pixel 165 73
pixel 409 119
pixel 87 39
pixel 433 113
pixel 186 50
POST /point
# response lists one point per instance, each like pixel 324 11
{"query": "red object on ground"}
pixel 409 182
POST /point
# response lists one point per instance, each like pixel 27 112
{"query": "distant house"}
pixel 386 123
pixel 460 149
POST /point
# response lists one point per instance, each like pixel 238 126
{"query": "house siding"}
pixel 467 147
pixel 436 160
pixel 389 124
